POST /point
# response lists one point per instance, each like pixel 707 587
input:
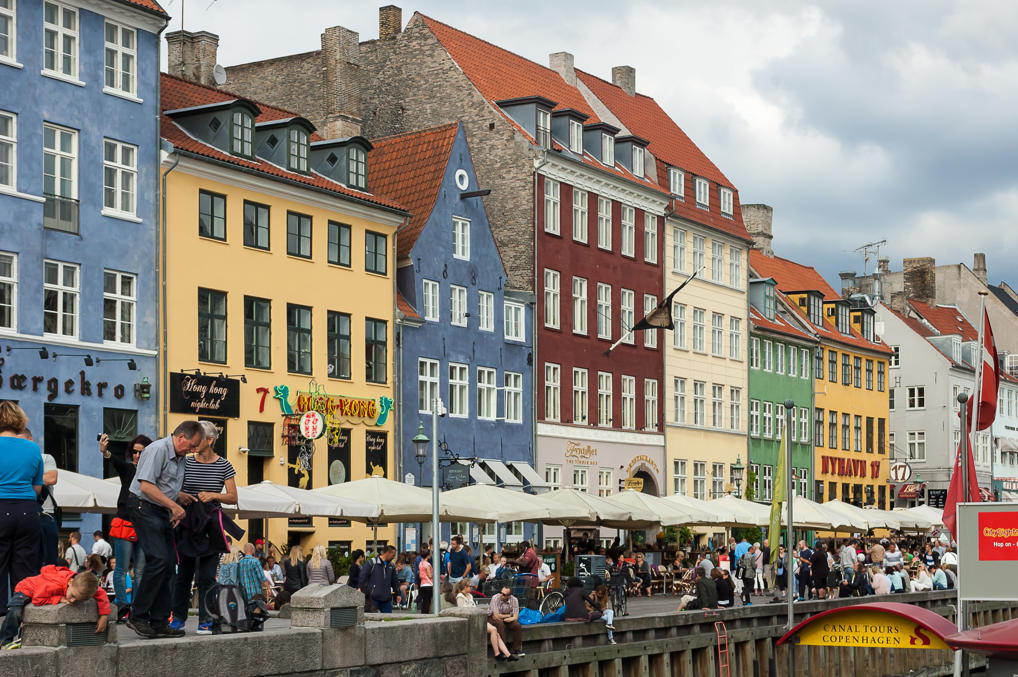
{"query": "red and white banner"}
pixel 990 379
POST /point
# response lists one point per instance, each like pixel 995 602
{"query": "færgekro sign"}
pixel 987 551
pixel 887 625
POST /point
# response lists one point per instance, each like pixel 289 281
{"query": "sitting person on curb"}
pixel 706 596
pixel 604 602
pixel 577 602
pixel 55 584
pixel 462 596
pixel 725 587
pixel 504 614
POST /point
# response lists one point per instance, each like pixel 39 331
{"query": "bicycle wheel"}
pixel 552 602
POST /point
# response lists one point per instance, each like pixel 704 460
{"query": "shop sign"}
pixel 642 458
pixel 312 425
pixel 936 498
pixel 848 467
pixel 53 387
pixel 204 395
pixel 335 408
pixel 899 472
pixel 376 453
pixel 886 625
pixel 580 454
pixel 987 536
pixel 634 483
pixel 998 536
pixel 910 490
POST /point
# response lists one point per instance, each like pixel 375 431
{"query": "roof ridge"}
pixel 416 132
pixel 612 84
pixel 260 104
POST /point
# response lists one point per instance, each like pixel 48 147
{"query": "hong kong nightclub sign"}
pixel 204 395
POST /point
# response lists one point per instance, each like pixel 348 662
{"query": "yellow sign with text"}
pixel 869 629
pixel 634 483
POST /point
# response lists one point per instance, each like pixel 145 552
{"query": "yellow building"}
pixel 279 299
pixel 851 408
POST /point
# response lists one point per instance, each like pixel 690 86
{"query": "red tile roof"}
pixel 926 332
pixel 178 93
pixel 780 325
pixel 149 5
pixel 405 308
pixel 946 320
pixel 409 168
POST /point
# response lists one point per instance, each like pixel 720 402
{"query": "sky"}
pixel 857 121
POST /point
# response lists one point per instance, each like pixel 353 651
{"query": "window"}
pixel 804 425
pixel 699 330
pixel 604 399
pixel 604 223
pixel 881 433
pixel 553 476
pixel 357 168
pixel 679 477
pixel 375 253
pixel 649 238
pixel 628 231
pixel 819 365
pixel 717 480
pixel 916 397
pixel 869 374
pixel 816 309
pixel 650 404
pixel 754 352
pixel 256 226
pixel 8 291
pixel 8 139
pixel 676 182
pixel 211 326
pixel 298 235
pixel 60 178
pixel 727 207
pixel 580 479
pixel 457 305
pixel 793 365
pixel 846 369
pixel 895 359
pixel 768 482
pixel 679 399
pixel 768 356
pixel 768 419
pixel 60 426
pixel 649 335
pixel 779 421
pixel 120 175
pixel 119 298
pixel 699 480
pixel 628 402
pixel 804 363
pixel 699 244
pixel 679 318
pixel 857 372
pixel 576 136
pixel 880 376
pixel 487 393
pixel 735 267
pixel 551 298
pixel 430 295
pixel 637 161
pixel 579 215
pixel 513 396
pixel 7 29
pixel 832 366
pixel 608 149
pixel 702 192
pixel 297 153
pixel 513 320
pixel 257 333
pixel 376 349
pixel 857 434
pixel 552 401
pixel 678 249
pixel 916 445
pixel 846 422
pixel 60 40
pixel 717 406
pixel 485 311
pixel 579 305
pixel 699 403
pixel 60 299
pixel 818 427
pixel 580 406
pixel 832 429
pixel 754 417
pixel 551 206
pixel 460 238
pixel 543 135
pixel 779 358
pixel 604 310
pixel 803 474
pixel 459 385
pixel 604 482
pixel 734 408
pixel 337 344
pixel 211 215
pixel 627 315
pixel 717 262
pixel 298 339
pixel 754 469
pixel 717 334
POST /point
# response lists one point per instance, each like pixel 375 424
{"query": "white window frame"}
pixel 727 202
pixel 767 415
pixel 580 224
pixel 754 352
pixel 552 391
pixel 735 267
pixel 754 418
pixel 604 399
pixel 604 310
pixel 678 400
pixel 431 293
pixel 793 357
pixel 552 211
pixel 791 433
pixel 767 472
pixel 717 335
pixel 735 338
pixel 457 305
pixel 64 293
pixel 650 404
pixel 124 177
pixel 459 390
pixel 604 482
pixel 576 136
pixel 677 182
pixel 604 223
pixel 543 128
pixel 679 321
pixel 627 315
pixel 915 398
pixel 804 425
pixel 717 405
pixel 916 442
pixel 580 480
pixel 10 282
pixel 485 311
pixel 768 356
pixel 700 480
pixel 125 60
pixel 11 56
pixel 717 480
pixel 699 251
pixel 699 330
pixel 59 155
pixel 717 261
pixel 700 403
pixel 679 236
pixel 702 186
pixel 241 133
pixel 779 358
pixel 513 382
pixel 515 321
pixel 804 362
pixel 649 335
pixel 552 299
pixel 735 408
pixel 123 304
pixel 650 237
pixel 297 150
pixel 607 149
pixel 628 247
pixel 428 381
pixel 9 142
pixel 62 33
pixel 553 476
pixel 628 402
pixel 638 159
pixel 460 238
pixel 580 305
pixel 679 476
pixel 581 404
pixel 487 393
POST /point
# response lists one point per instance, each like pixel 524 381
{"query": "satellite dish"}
pixel 219 75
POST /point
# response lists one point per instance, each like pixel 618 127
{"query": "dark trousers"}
pixel 804 586
pixel 203 569
pixel 19 543
pixel 48 537
pixel 514 628
pixel 747 590
pixel 12 621
pixel 152 597
pixel 424 598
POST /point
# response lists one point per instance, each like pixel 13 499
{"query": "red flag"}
pixel 990 380
pixel 955 493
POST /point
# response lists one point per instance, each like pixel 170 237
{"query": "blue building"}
pixel 462 337
pixel 79 104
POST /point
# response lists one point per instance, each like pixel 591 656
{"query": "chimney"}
pixel 848 284
pixel 979 266
pixel 757 219
pixel 883 265
pixel 341 55
pixel 920 276
pixel 390 22
pixel 562 63
pixel 192 56
pixel 624 77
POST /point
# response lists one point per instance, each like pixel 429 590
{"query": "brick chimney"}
pixel 341 58
pixel 562 63
pixel 624 77
pixel 757 219
pixel 979 266
pixel 390 22
pixel 192 56
pixel 920 276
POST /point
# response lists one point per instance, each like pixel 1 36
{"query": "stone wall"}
pixel 283 82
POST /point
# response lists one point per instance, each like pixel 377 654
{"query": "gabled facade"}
pixel 280 273
pixel 461 336
pixel 78 224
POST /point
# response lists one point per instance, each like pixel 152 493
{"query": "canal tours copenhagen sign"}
pixel 887 625
pixel 204 395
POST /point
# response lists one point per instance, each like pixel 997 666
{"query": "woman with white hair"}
pixel 320 568
pixel 760 587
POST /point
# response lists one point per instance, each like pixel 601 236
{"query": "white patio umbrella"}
pixel 305 502
pixel 858 519
pixel 720 515
pixel 599 511
pixel 83 493
pixel 744 513
pixel 400 502
pixel 909 521
pixel 509 505
pixel 669 513
pixel 811 515
pixel 935 516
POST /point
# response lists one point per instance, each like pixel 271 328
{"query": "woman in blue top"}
pixel 20 483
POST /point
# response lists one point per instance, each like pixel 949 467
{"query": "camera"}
pixel 98 437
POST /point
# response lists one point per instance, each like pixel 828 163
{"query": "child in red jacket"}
pixel 53 585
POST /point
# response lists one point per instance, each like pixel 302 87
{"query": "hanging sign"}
pixel 899 472
pixel 312 425
pixel 886 625
pixel 910 490
pixel 204 395
pixel 634 483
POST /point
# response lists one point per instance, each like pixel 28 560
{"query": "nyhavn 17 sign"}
pixel 204 395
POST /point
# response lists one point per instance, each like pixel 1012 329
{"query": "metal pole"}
pixel 959 656
pixel 436 535
pixel 791 535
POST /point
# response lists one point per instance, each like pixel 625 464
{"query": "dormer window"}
pixel 769 302
pixel 726 201
pixel 677 182
pixel 816 309
pixel 543 135
pixel 956 348
pixel 867 326
pixel 357 168
pixel 637 161
pixel 702 192
pixel 241 134
pixel 576 137
pixel 842 321
pixel 297 153
pixel 608 149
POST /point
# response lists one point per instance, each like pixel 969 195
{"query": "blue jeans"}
pixel 384 607
pixel 12 621
pixel 203 571
pixel 123 551
pixel 152 597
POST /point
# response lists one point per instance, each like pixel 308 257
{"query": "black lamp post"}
pixel 737 469
pixel 421 442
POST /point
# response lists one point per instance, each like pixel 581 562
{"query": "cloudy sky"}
pixel 857 121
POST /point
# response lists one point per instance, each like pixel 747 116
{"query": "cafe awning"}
pixel 478 475
pixel 1008 443
pixel 910 490
pixel 504 476
pixel 529 475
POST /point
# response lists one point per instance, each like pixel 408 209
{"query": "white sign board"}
pixel 899 472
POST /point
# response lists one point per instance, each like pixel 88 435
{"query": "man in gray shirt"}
pixel 155 512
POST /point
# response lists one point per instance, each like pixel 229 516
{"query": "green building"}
pixel 781 353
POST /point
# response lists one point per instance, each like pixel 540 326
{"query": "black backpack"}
pixel 230 608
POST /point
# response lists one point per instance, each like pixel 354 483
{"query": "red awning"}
pixel 910 490
pixel 999 640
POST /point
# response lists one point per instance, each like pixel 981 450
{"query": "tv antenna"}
pixel 870 250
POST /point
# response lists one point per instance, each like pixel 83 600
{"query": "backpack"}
pixel 229 607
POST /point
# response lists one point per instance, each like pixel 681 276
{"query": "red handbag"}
pixel 121 528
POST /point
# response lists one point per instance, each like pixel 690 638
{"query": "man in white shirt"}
pixel 544 572
pixel 75 554
pixel 101 547
pixel 949 557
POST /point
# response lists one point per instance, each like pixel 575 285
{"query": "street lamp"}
pixel 420 441
pixel 737 470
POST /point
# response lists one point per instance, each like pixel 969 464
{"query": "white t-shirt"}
pixel 544 573
pixel 76 557
pixel 49 463
pixel 949 558
pixel 102 548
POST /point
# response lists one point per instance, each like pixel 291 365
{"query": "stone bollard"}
pixel 68 625
pixel 338 611
pixel 476 643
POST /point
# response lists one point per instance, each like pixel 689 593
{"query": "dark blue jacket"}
pixel 378 580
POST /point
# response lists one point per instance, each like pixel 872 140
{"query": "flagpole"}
pixel 959 656
pixel 977 394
